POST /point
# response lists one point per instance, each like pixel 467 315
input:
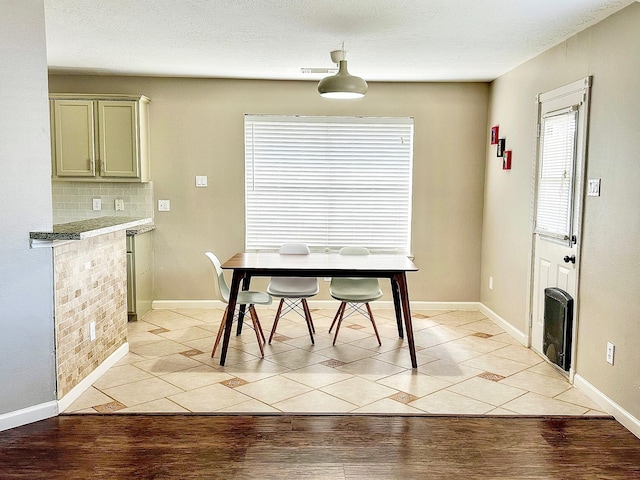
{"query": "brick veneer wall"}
pixel 90 285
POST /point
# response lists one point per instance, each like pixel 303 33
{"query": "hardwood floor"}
pixel 319 447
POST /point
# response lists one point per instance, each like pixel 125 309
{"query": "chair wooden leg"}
pixel 307 313
pixel 257 328
pixel 375 329
pixel 220 331
pixel 275 322
pixel 343 305
pixel 335 319
pixel 307 317
pixel 260 327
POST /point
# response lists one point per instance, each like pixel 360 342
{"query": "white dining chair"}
pixel 245 297
pixel 293 291
pixel 355 293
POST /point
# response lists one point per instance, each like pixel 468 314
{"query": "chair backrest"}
pixel 219 283
pixel 294 249
pixel 354 251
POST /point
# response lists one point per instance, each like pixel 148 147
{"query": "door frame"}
pixel 584 86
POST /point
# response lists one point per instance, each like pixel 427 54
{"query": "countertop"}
pixel 94 227
pixel 147 227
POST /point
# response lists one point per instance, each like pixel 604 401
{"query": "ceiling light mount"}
pixel 342 85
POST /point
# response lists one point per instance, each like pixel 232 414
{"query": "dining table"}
pixel 246 265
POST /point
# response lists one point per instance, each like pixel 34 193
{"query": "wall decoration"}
pixel 494 134
pixel 506 160
pixel 502 143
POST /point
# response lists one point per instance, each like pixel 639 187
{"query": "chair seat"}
pixel 362 290
pixel 293 287
pixel 250 297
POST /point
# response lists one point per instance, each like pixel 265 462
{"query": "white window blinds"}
pixel 328 182
pixel 556 174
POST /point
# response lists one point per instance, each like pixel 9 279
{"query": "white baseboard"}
pixel 506 326
pixel 177 304
pixel 630 422
pixel 28 415
pixel 204 304
pixel 79 389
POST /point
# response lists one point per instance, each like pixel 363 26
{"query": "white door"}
pixel 550 270
pixel 563 116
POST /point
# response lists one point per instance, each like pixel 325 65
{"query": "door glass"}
pixel 556 174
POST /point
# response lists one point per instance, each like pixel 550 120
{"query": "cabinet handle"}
pixel 92 167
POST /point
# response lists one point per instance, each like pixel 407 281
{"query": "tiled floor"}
pixel 467 365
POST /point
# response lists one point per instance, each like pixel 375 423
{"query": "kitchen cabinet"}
pixel 100 138
pixel 139 274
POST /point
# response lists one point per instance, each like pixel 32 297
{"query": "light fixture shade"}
pixel 342 84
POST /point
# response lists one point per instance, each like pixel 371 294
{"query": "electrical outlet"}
pixel 92 331
pixel 164 205
pixel 490 283
pixel 119 204
pixel 611 350
pixel 97 204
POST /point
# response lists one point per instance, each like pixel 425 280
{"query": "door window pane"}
pixel 556 174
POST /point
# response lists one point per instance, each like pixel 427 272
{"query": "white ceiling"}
pixel 385 40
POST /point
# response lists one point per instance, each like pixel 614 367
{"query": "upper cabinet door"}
pixel 118 138
pixel 100 138
pixel 74 138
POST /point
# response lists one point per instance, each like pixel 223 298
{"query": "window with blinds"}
pixel 556 176
pixel 328 182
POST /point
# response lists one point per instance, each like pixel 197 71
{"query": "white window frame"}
pixel 574 95
pixel 299 170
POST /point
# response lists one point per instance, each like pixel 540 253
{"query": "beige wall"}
pixel 197 129
pixel 609 296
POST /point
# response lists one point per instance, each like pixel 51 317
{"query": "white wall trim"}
pixel 28 415
pixel 506 326
pixel 204 304
pixel 630 422
pixel 175 304
pixel 79 389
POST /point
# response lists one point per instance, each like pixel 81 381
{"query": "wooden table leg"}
pixel 398 306
pixel 231 308
pixel 401 279
pixel 246 281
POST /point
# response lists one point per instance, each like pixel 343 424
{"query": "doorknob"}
pixel 568 259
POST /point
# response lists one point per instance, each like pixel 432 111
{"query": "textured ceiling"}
pixel 385 40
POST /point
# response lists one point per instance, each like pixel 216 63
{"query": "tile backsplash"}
pixel 73 201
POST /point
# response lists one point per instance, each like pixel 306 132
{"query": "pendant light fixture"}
pixel 342 84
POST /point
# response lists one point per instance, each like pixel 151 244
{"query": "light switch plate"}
pixel 164 205
pixel 97 204
pixel 201 180
pixel 594 187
